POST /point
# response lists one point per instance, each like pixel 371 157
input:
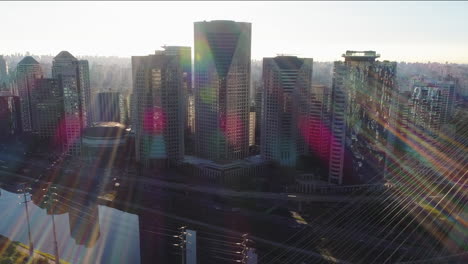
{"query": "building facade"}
pixel 159 109
pixel 27 70
pixel 104 144
pixel 10 116
pixel 222 80
pixel 185 59
pixel 287 83
pixel 73 78
pixel 362 97
pixel 252 128
pixel 319 133
pixel 432 104
pixel 3 70
pixel 48 110
pixel 108 107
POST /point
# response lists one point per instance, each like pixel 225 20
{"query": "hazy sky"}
pixel 401 31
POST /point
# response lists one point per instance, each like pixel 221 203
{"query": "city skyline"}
pixel 233 132
pixel 401 31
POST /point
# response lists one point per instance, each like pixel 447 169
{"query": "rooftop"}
pixel 65 55
pixel 288 62
pixel 367 55
pixel 105 130
pixel 28 60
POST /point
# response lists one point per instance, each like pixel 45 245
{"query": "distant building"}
pixel 432 105
pixel 27 70
pixel 222 80
pixel 10 115
pixel 108 107
pixel 287 82
pixel 362 95
pixel 48 110
pixel 159 109
pixel 3 70
pixel 73 79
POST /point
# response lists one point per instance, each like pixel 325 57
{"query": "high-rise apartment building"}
pixel 287 83
pixel 159 109
pixel 362 96
pixel 222 80
pixel 48 110
pixel 73 78
pixel 432 104
pixel 27 70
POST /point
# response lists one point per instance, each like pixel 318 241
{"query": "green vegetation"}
pixel 13 252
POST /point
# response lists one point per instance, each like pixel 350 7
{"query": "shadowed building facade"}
pixel 73 79
pixel 222 80
pixel 159 109
pixel 27 70
pixel 10 115
pixel 287 83
pixel 48 111
pixel 104 144
pixel 185 59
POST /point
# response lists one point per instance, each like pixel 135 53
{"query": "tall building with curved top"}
pixel 27 70
pixel 287 83
pixel 222 80
pixel 73 77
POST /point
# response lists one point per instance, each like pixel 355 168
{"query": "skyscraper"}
pixel 363 93
pixel 222 80
pixel 287 83
pixel 27 70
pixel 185 59
pixel 73 78
pixel 159 109
pixel 48 110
